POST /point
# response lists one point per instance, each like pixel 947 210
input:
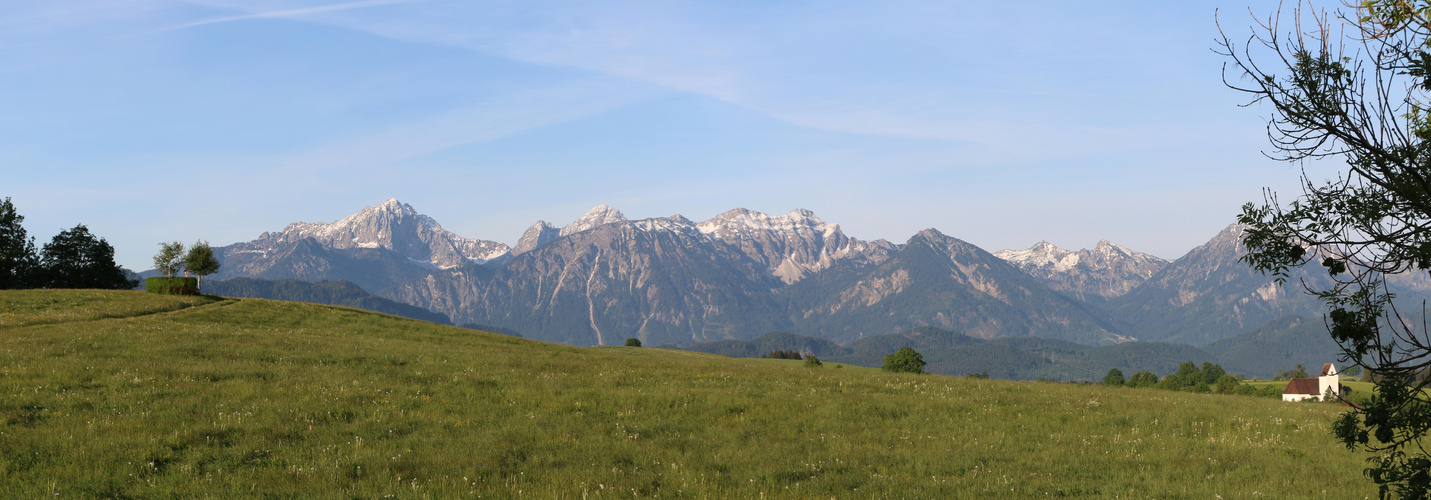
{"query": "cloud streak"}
pixel 288 13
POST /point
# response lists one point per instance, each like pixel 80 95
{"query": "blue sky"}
pixel 998 123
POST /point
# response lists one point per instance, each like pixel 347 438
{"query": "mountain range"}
pixel 669 280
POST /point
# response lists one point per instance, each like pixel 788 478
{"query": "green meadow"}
pixel 133 395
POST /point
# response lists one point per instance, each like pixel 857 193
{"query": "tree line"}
pixel 75 258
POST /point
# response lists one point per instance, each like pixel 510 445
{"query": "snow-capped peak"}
pixel 740 220
pixel 1041 254
pixel 397 226
pixel 598 216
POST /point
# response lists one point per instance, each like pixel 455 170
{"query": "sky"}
pixel 1002 124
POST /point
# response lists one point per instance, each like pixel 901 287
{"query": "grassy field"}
pixel 125 394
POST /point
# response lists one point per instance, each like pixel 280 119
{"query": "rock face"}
pixel 660 280
pixel 537 235
pixel 794 245
pixel 936 280
pixel 377 247
pixel 599 216
pixel 1105 272
pixel 604 278
pixel 1207 295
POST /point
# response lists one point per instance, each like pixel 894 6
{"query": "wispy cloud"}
pixel 287 13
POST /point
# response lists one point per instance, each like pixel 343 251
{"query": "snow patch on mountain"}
pixel 792 246
pixel 598 216
pixel 1108 270
pixel 396 226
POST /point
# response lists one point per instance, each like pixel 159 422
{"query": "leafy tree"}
pixel 1352 86
pixel 905 360
pixel 812 362
pixel 77 259
pixel 1226 384
pixel 1187 373
pixel 633 342
pixel 169 259
pixel 1171 382
pixel 1143 379
pixel 1298 372
pixel 201 261
pixel 1113 378
pixel 1211 372
pixel 19 262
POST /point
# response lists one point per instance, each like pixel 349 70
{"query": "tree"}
pixel 19 262
pixel 1226 384
pixel 1114 377
pixel 169 259
pixel 812 362
pixel 1211 373
pixel 77 259
pixel 905 360
pixel 201 261
pixel 1143 379
pixel 1353 87
pixel 633 342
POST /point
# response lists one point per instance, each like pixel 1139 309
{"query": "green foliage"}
pixel 1227 384
pixel 812 362
pixel 1113 378
pixel 226 398
pixel 1143 379
pixel 1297 372
pixel 1355 92
pixel 169 259
pixel 1171 382
pixel 201 260
pixel 19 262
pixel 77 259
pixel 172 285
pixel 905 360
pixel 633 342
pixel 779 354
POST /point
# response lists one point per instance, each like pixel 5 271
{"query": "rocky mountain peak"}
pixel 792 245
pixel 1108 270
pixel 390 225
pixel 537 235
pixel 597 216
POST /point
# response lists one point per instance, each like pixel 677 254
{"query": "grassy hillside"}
pixel 248 397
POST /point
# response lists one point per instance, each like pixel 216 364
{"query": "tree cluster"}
pixel 1209 378
pixel 75 258
pixel 199 259
pixel 1297 372
pixel 782 354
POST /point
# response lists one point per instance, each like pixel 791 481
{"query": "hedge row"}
pixel 172 286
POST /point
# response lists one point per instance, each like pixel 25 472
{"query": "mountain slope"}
pixel 338 293
pixel 1105 272
pixel 660 280
pixel 1207 295
pixel 794 245
pixel 377 247
pixel 937 280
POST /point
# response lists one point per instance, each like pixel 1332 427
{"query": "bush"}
pixel 905 360
pixel 1114 378
pixel 1143 379
pixel 812 362
pixel 172 286
pixel 633 342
